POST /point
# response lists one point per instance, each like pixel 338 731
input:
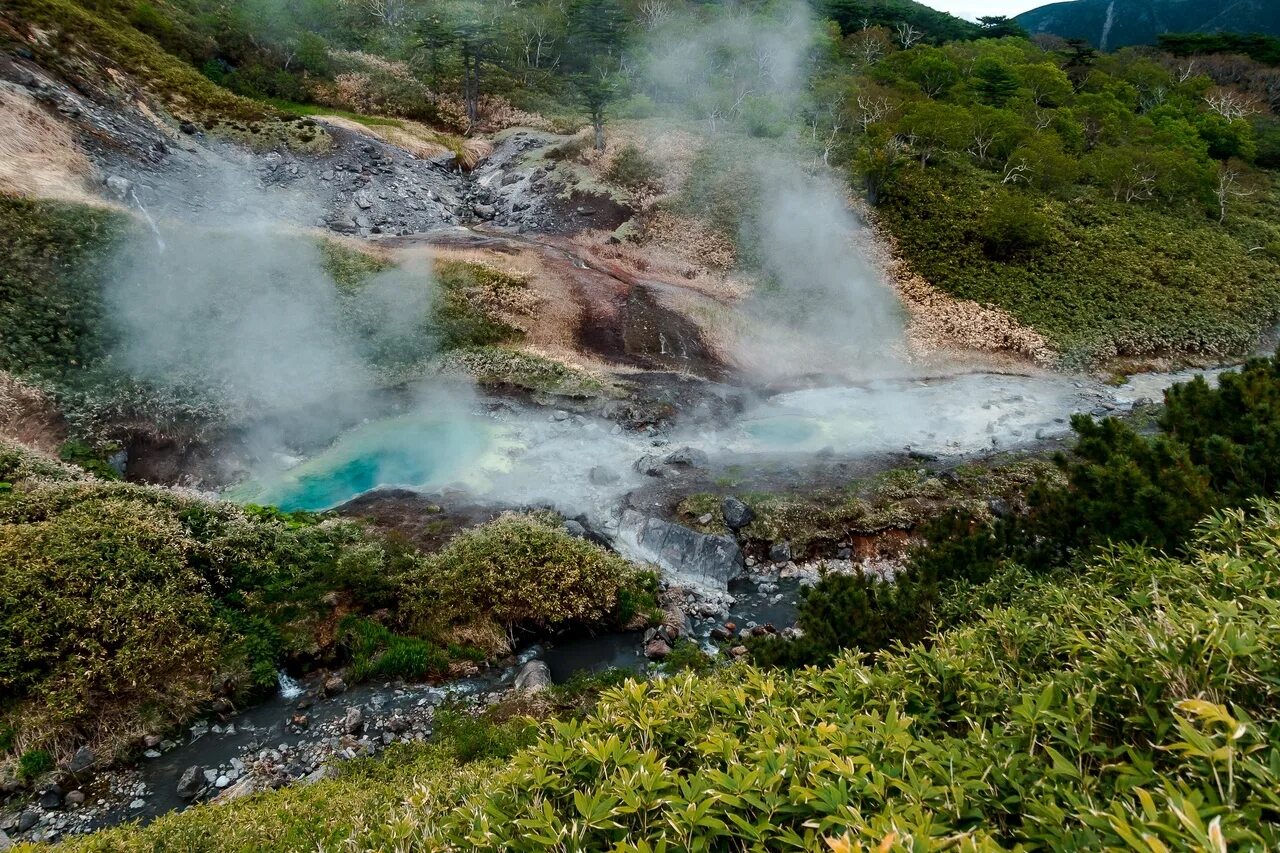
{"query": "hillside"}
pixel 1111 24
pixel 634 425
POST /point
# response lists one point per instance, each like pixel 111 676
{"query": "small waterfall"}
pixel 151 223
pixel 289 688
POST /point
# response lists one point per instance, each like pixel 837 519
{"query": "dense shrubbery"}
pixel 521 573
pixel 1130 705
pixel 124 609
pixel 1077 191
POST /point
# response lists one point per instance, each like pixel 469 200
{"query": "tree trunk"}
pixel 598 124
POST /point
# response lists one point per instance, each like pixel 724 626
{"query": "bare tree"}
pixel 1231 104
pixel 654 13
pixel 908 35
pixel 1186 70
pixel 389 13
pixel 871 109
pixel 1229 187
pixel 1016 170
pixel 868 47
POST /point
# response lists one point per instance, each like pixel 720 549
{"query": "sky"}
pixel 971 9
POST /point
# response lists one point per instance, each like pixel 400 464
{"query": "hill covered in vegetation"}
pixel 1111 24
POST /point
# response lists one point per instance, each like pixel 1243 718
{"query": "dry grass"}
pixel 29 416
pixel 38 155
pixel 941 325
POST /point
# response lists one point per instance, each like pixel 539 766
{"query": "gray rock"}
pixel 363 201
pixel 74 798
pixel 51 799
pixel 81 761
pixel 533 677
pixel 28 819
pixel 702 559
pixel 353 722
pixel 222 781
pixel 780 552
pixel 137 804
pixel 191 782
pixel 120 187
pixel 736 513
pixel 650 465
pixel 688 457
pixel 6 843
pixel 575 529
pixel 484 211
pixel 999 507
pixel 151 741
pixel 334 685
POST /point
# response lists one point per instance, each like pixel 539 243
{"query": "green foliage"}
pixel 687 656
pixel 1218 448
pixel 32 763
pixel 50 312
pixel 89 458
pixel 1141 682
pixel 475 738
pixel 1113 247
pixel 377 651
pixel 121 607
pixel 518 572
pixel 1013 227
pixel 1263 48
pixel 853 15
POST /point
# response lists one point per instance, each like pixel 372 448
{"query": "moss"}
pixel 900 498
pixel 506 367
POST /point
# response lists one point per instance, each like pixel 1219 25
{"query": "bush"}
pixel 518 572
pixel 633 169
pixel 1013 227
pixel 32 763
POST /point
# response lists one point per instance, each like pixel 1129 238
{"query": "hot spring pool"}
pixel 413 451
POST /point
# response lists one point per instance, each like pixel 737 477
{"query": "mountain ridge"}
pixel 1109 24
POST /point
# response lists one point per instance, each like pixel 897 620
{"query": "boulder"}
pixel 74 798
pixel 683 554
pixel 650 465
pixel 81 761
pixel 353 721
pixel 737 514
pixel 533 677
pixel 120 187
pixel 656 649
pixel 51 798
pixel 334 685
pixel 780 552
pixel 6 843
pixel 191 782
pixel 242 788
pixel 28 819
pixel 687 457
pixel 601 476
pixel 575 529
pixel 999 507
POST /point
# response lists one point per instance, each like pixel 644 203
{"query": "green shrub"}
pixel 518 572
pixel 90 459
pixel 1013 227
pixel 377 651
pixel 32 763
pixel 469 737
pixel 633 169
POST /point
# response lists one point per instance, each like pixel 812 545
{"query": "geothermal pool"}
pixel 516 455
pixel 420 451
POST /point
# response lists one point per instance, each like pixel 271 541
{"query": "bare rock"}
pixel 191 782
pixel 737 514
pixel 656 649
pixel 353 722
pixel 533 677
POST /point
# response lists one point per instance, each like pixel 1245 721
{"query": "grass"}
pixel 503 366
pixel 297 109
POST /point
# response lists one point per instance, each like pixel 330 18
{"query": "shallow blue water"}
pixel 415 451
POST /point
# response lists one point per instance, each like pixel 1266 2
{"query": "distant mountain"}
pixel 1109 24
